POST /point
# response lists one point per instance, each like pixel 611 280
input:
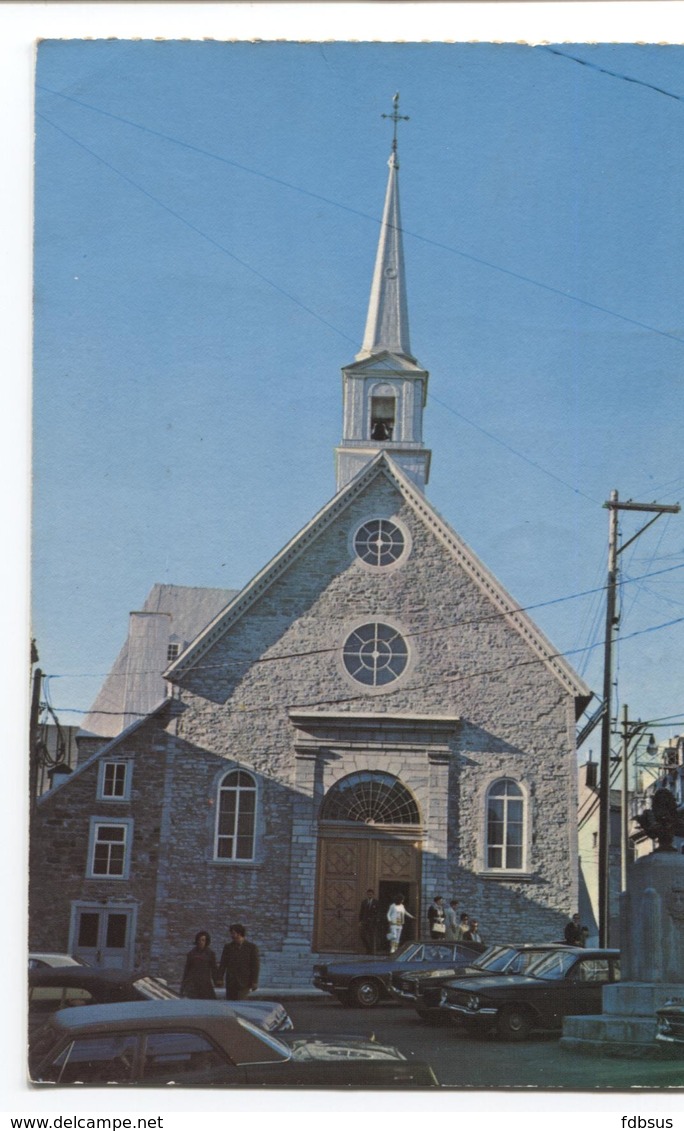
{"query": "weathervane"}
pixel 395 117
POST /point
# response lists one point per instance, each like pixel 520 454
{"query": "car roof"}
pixel 143 1014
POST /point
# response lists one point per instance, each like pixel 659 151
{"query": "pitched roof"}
pixel 383 464
pixel 134 686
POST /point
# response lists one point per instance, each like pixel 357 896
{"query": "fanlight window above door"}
pixel 372 799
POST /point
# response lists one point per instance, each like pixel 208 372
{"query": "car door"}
pixel 581 991
pixel 188 1059
pixel 106 1058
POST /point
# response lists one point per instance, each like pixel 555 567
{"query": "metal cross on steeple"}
pixel 395 117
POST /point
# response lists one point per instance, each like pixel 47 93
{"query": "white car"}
pixel 41 960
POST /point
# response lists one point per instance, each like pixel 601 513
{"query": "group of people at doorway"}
pixel 443 922
pixel 239 966
pixel 447 923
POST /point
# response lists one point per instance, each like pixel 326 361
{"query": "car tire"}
pixel 364 993
pixel 515 1023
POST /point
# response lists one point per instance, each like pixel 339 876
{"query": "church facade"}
pixel 372 710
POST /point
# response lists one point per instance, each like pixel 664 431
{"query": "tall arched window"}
pixel 505 825
pixel 236 816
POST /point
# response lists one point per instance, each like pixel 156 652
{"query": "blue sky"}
pixel 206 223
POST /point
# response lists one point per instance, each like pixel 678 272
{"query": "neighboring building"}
pixel 371 710
pixel 588 853
pixel 664 771
pixel 169 620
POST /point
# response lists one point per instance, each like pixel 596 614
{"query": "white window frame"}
pixel 102 775
pixel 96 823
pixel 390 566
pixel 411 654
pixel 221 789
pixel 524 798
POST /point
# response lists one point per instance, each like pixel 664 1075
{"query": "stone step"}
pixel 612 1035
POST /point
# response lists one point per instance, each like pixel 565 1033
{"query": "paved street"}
pixel 464 1062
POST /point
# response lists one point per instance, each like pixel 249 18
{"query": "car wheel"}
pixel 364 992
pixel 515 1023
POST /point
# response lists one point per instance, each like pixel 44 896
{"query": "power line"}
pixel 612 74
pixel 357 212
pixel 456 625
pixel 461 677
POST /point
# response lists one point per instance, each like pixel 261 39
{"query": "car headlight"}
pixel 473 1001
pixel 664 1025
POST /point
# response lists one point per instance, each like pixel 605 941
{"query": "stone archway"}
pixel 369 836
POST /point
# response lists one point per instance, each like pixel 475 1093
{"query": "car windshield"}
pixel 155 989
pixel 497 958
pixel 408 952
pixel 553 966
pixel 262 1038
pixel 41 1043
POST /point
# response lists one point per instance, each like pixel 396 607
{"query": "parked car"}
pixel 423 989
pixel 41 960
pixel 66 986
pixel 203 1044
pixel 365 981
pixel 670 1023
pixel 567 981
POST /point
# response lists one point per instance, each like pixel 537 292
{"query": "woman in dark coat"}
pixel 200 969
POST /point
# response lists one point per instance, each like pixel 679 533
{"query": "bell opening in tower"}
pixel 383 411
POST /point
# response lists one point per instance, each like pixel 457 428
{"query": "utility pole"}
pixel 33 739
pixel 613 505
pixel 624 822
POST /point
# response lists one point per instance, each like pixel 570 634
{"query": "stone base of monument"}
pixel 652 961
pixel 627 1026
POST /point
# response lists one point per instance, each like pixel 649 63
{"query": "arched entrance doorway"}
pixel 369 836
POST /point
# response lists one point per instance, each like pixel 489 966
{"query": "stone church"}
pixel 372 710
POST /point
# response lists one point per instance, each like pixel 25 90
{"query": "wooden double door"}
pixel 347 867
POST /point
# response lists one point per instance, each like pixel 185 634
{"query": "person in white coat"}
pixel 451 918
pixel 396 917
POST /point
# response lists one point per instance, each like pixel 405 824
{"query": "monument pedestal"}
pixel 652 962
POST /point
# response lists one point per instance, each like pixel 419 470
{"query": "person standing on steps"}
pixel 396 917
pixel 437 918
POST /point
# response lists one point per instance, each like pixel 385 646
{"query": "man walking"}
pixel 240 964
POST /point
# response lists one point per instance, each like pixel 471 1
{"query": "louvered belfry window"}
pixel 371 798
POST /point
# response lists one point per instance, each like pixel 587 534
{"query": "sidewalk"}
pixel 301 993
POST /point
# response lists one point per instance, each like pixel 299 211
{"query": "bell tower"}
pixel 385 388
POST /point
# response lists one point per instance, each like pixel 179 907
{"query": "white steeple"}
pixel 385 389
pixel 387 325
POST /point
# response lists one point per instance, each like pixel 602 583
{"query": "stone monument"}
pixel 652 946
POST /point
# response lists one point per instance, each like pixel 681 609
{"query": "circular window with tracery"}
pixel 379 543
pixel 375 654
pixel 370 798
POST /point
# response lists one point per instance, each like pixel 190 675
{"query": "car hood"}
pixel 314 1046
pixel 490 983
